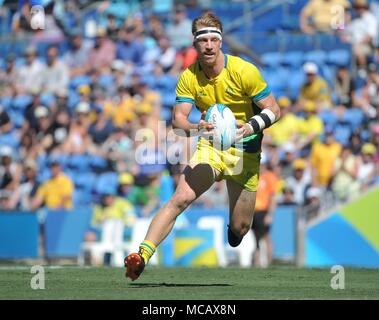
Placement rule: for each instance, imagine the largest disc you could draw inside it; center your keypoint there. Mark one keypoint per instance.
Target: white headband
(205, 31)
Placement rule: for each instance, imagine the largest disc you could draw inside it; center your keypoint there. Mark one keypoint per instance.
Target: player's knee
(181, 201)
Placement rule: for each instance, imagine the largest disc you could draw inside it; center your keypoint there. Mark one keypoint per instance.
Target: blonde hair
(207, 20)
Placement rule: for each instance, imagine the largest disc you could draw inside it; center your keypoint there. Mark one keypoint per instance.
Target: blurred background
(74, 94)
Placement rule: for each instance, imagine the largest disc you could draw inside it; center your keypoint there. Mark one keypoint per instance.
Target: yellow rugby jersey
(238, 86)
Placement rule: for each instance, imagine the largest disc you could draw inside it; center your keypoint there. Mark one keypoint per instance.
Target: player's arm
(267, 117)
(180, 121)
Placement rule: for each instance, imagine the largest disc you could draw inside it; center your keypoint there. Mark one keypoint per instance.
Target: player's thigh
(194, 181)
(241, 205)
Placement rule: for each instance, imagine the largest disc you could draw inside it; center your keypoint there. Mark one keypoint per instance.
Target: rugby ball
(224, 123)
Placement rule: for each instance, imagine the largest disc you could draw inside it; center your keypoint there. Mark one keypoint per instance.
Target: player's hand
(243, 130)
(205, 128)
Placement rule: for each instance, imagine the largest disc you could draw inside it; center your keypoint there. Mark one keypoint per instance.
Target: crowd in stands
(72, 101)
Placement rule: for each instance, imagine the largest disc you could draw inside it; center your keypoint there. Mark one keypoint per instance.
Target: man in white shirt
(29, 76)
(362, 33)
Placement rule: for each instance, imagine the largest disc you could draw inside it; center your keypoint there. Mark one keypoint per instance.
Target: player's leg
(194, 181)
(241, 211)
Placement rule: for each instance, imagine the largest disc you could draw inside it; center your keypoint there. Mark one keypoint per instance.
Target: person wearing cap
(215, 77)
(30, 75)
(312, 207)
(125, 182)
(103, 52)
(310, 128)
(56, 192)
(317, 15)
(300, 180)
(323, 157)
(362, 33)
(367, 168)
(286, 130)
(5, 200)
(315, 88)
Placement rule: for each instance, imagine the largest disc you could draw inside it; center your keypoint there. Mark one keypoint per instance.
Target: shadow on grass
(157, 285)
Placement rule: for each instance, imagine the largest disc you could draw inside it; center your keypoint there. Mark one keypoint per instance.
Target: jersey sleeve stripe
(184, 99)
(263, 94)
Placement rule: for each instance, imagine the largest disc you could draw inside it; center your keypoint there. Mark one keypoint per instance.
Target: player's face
(208, 49)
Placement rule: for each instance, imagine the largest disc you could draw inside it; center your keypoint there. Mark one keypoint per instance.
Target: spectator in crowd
(112, 26)
(5, 200)
(103, 52)
(27, 190)
(319, 15)
(76, 58)
(323, 156)
(362, 33)
(344, 184)
(101, 128)
(375, 142)
(78, 140)
(370, 93)
(167, 54)
(344, 87)
(6, 125)
(56, 73)
(300, 181)
(287, 198)
(125, 184)
(285, 130)
(179, 32)
(287, 159)
(355, 143)
(310, 128)
(56, 192)
(119, 150)
(265, 205)
(110, 216)
(58, 131)
(129, 48)
(366, 168)
(30, 76)
(40, 133)
(10, 170)
(120, 108)
(313, 202)
(315, 88)
(29, 112)
(8, 77)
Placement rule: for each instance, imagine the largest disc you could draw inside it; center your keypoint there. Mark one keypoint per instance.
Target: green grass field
(188, 284)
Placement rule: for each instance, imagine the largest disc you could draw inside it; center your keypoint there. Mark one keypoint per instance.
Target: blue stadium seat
(106, 182)
(21, 102)
(339, 57)
(316, 56)
(80, 80)
(97, 163)
(294, 59)
(294, 83)
(354, 117)
(79, 163)
(47, 99)
(85, 181)
(272, 59)
(329, 118)
(342, 133)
